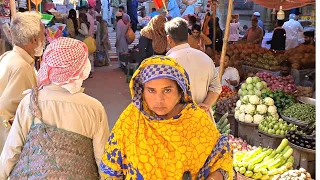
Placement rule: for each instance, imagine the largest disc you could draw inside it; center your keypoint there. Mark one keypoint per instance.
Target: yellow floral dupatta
(143, 146)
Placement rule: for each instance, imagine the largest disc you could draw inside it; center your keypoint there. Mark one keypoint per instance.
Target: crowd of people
(53, 129)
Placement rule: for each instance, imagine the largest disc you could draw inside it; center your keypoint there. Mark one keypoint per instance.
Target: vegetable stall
(272, 131)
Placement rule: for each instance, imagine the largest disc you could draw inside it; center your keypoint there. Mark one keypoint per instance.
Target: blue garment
(189, 10)
(173, 9)
(260, 23)
(153, 14)
(105, 10)
(132, 9)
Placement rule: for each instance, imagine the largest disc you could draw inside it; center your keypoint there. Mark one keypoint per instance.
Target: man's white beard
(38, 51)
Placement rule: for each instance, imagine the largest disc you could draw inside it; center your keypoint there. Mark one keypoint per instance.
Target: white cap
(256, 14)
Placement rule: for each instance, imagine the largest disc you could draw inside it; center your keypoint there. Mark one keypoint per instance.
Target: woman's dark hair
(180, 91)
(280, 23)
(73, 16)
(285, 63)
(196, 27)
(84, 19)
(192, 20)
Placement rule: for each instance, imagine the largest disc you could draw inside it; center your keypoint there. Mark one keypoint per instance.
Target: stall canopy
(286, 4)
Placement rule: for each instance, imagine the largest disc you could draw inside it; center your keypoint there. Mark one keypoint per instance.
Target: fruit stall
(255, 58)
(272, 130)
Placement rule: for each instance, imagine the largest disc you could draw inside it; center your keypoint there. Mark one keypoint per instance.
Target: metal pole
(225, 39)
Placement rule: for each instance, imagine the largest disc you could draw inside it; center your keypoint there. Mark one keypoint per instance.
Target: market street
(109, 86)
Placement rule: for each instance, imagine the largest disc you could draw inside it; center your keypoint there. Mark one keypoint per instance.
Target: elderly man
(293, 28)
(17, 66)
(205, 85)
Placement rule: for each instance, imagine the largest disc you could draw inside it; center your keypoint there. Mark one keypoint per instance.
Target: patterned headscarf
(157, 67)
(64, 61)
(155, 31)
(126, 18)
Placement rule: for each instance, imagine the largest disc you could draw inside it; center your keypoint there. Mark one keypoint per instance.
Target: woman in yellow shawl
(163, 134)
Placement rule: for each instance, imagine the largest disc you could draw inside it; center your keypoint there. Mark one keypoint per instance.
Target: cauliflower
(268, 101)
(236, 114)
(250, 109)
(238, 103)
(254, 99)
(245, 99)
(241, 117)
(262, 109)
(242, 108)
(257, 118)
(272, 110)
(248, 118)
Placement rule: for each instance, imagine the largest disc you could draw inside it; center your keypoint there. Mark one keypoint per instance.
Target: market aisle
(109, 86)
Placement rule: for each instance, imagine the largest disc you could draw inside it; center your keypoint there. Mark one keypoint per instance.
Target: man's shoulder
(13, 60)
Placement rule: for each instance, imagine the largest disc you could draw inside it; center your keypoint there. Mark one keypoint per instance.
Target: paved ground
(109, 86)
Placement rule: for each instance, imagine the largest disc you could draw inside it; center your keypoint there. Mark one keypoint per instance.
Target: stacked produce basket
(276, 123)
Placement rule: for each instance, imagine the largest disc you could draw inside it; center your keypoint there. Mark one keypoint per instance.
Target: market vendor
(287, 70)
(254, 34)
(309, 38)
(230, 75)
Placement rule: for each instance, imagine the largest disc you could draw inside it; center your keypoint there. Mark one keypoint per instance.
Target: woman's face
(161, 95)
(196, 33)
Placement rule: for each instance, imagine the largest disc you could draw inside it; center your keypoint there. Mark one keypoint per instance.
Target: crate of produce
(303, 142)
(233, 123)
(248, 132)
(269, 140)
(304, 158)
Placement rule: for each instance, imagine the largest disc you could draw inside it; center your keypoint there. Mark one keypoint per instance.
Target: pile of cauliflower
(252, 109)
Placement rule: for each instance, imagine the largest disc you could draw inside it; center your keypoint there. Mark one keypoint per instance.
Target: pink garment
(63, 62)
(92, 3)
(91, 21)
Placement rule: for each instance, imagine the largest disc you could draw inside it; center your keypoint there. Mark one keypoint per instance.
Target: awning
(286, 4)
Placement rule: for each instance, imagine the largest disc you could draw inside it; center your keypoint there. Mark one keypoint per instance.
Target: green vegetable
(302, 112)
(250, 167)
(275, 164)
(257, 175)
(260, 157)
(270, 156)
(237, 169)
(227, 127)
(285, 149)
(290, 159)
(288, 153)
(264, 177)
(282, 145)
(288, 165)
(242, 170)
(248, 173)
(273, 172)
(264, 171)
(252, 154)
